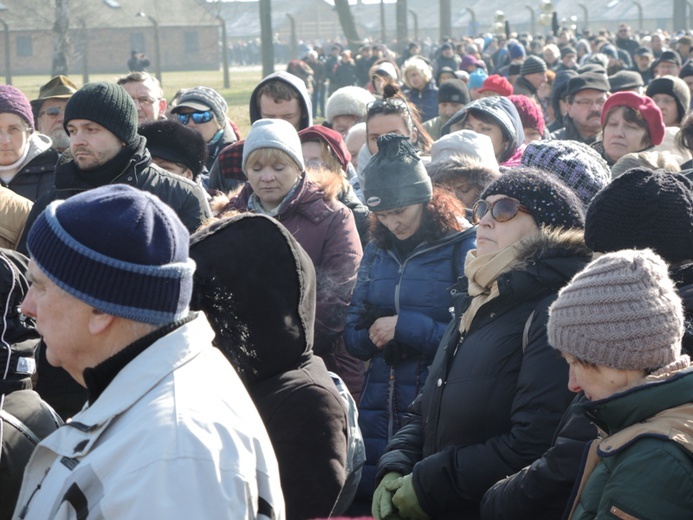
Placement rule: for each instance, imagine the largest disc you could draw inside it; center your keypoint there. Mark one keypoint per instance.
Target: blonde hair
(416, 63)
(651, 160)
(270, 156)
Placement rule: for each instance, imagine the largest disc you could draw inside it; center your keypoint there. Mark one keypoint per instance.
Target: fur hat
(622, 311)
(549, 201)
(274, 133)
(13, 101)
(674, 87)
(120, 250)
(395, 177)
(175, 143)
(644, 106)
(643, 208)
(348, 101)
(107, 104)
(579, 166)
(419, 65)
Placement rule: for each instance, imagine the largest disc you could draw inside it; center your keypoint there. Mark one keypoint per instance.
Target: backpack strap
(19, 426)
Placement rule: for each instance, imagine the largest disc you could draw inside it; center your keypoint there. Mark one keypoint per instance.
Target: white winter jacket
(173, 436)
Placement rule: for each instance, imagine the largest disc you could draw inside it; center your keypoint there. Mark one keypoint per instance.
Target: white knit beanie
(348, 101)
(622, 311)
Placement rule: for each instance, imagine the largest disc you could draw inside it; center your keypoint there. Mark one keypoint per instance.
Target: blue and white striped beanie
(119, 249)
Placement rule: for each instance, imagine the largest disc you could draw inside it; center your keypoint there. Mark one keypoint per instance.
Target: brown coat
(14, 210)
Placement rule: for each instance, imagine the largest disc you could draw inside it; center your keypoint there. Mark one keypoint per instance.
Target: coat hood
(257, 287)
(295, 82)
(18, 335)
(502, 110)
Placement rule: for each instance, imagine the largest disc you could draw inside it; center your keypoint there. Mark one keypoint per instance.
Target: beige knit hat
(622, 311)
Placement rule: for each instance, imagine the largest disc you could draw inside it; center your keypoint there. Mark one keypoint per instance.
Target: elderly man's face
(63, 321)
(586, 111)
(50, 123)
(666, 68)
(147, 97)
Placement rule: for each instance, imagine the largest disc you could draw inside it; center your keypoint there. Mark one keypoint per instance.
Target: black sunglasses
(501, 210)
(197, 117)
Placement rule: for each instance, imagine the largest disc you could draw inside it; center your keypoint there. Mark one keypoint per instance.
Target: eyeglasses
(501, 210)
(589, 102)
(51, 111)
(197, 117)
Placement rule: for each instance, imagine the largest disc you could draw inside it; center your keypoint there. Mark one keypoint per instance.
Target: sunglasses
(197, 117)
(52, 111)
(501, 210)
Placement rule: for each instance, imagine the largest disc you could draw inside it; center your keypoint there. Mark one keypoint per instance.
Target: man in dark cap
(452, 96)
(105, 148)
(668, 64)
(48, 110)
(532, 76)
(643, 63)
(586, 95)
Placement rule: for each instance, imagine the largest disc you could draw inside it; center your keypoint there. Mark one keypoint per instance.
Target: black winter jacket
(489, 409)
(36, 178)
(542, 490)
(185, 197)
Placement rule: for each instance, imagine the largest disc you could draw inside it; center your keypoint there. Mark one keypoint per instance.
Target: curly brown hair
(442, 215)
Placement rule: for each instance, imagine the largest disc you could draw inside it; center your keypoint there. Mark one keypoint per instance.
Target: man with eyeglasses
(48, 110)
(145, 90)
(585, 97)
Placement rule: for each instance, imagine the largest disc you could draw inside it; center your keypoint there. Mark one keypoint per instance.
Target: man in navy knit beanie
(168, 430)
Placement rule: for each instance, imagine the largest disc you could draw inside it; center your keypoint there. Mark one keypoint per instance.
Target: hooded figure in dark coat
(257, 287)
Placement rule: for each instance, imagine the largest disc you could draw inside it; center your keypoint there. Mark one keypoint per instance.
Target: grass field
(243, 80)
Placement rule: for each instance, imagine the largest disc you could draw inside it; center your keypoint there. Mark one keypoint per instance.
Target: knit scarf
(482, 273)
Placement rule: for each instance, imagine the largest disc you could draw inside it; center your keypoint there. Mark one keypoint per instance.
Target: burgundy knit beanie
(12, 101)
(530, 112)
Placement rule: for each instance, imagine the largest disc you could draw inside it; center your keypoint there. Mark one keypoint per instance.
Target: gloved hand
(405, 499)
(381, 508)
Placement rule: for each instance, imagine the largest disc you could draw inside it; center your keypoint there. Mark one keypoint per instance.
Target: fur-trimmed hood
(257, 287)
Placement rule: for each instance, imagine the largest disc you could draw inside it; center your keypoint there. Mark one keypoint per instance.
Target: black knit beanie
(395, 177)
(676, 88)
(107, 104)
(177, 143)
(643, 208)
(549, 201)
(532, 65)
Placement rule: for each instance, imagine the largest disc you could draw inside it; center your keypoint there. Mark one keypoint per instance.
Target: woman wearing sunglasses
(630, 124)
(401, 303)
(203, 109)
(496, 390)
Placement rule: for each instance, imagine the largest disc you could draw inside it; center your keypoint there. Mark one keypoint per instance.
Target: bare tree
(61, 38)
(346, 20)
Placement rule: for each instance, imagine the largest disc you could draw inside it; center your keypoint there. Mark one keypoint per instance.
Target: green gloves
(405, 499)
(382, 508)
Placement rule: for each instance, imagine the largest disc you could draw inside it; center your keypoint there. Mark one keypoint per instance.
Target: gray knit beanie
(107, 104)
(532, 65)
(274, 133)
(204, 98)
(622, 311)
(395, 177)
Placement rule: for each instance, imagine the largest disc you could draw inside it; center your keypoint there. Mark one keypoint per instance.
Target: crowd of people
(467, 292)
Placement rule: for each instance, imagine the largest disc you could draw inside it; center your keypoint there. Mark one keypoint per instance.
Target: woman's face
(492, 236)
(416, 80)
(622, 137)
(465, 191)
(381, 124)
(402, 222)
(272, 181)
(489, 129)
(14, 137)
(667, 104)
(598, 382)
